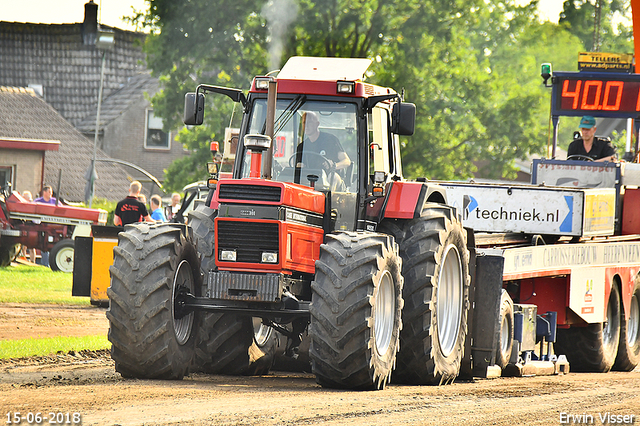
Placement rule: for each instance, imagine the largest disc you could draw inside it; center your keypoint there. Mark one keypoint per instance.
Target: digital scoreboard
(597, 94)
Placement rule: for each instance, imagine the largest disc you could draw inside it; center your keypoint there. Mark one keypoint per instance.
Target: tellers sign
(597, 94)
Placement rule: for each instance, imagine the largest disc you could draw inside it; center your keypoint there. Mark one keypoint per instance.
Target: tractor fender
(407, 199)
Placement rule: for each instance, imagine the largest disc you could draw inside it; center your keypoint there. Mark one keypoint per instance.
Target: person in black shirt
(589, 145)
(322, 143)
(130, 210)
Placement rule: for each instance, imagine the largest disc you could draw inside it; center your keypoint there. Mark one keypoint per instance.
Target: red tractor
(328, 242)
(47, 227)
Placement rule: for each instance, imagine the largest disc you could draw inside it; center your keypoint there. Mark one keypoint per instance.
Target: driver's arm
(343, 162)
(609, 152)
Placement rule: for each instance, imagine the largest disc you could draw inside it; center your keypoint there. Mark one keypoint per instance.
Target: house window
(6, 176)
(155, 138)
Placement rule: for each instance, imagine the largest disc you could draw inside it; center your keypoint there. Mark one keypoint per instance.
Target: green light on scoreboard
(545, 72)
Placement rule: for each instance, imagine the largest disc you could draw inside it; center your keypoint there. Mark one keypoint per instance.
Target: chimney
(90, 24)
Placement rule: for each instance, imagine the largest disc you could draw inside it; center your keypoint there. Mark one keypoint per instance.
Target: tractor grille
(249, 192)
(249, 239)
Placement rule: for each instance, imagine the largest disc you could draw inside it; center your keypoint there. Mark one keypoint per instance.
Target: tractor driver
(322, 143)
(590, 146)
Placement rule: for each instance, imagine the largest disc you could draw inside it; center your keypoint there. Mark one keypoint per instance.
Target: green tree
(579, 17)
(470, 66)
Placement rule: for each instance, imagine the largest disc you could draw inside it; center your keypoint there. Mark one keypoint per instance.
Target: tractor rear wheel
(505, 336)
(235, 345)
(61, 256)
(356, 308)
(151, 337)
(593, 348)
(201, 221)
(5, 256)
(628, 356)
(436, 292)
(8, 254)
(227, 343)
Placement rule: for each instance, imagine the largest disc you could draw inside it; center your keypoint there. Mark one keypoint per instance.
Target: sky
(111, 11)
(68, 11)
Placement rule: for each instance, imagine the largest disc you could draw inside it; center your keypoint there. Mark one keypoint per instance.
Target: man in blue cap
(589, 146)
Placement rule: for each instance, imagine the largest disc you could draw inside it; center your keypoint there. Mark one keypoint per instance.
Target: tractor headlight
(262, 83)
(269, 257)
(346, 86)
(228, 255)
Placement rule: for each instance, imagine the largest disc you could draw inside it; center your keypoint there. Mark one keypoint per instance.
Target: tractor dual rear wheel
(235, 345)
(356, 308)
(628, 356)
(505, 332)
(151, 338)
(593, 348)
(436, 292)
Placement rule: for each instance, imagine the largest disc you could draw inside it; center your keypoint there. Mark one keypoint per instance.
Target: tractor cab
(324, 129)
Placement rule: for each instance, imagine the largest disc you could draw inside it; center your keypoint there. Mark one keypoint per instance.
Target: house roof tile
(25, 115)
(118, 101)
(56, 57)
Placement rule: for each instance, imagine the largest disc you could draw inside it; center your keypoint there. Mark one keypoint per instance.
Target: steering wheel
(313, 160)
(579, 157)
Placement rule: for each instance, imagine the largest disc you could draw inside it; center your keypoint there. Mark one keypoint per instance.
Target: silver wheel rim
(634, 321)
(608, 330)
(64, 259)
(504, 335)
(385, 310)
(261, 332)
(182, 326)
(449, 300)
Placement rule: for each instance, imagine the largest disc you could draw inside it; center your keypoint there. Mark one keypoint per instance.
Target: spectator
(31, 251)
(143, 199)
(47, 196)
(174, 207)
(130, 210)
(156, 209)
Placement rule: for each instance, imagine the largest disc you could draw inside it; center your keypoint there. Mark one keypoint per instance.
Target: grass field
(39, 285)
(50, 345)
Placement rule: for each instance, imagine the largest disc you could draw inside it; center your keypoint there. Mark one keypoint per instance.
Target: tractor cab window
(311, 139)
(381, 143)
(314, 143)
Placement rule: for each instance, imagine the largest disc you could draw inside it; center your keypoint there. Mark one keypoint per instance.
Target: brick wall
(124, 139)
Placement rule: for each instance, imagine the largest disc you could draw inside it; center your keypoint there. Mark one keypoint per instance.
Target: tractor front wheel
(356, 308)
(61, 256)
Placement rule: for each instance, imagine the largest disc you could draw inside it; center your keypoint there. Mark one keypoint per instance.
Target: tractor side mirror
(193, 109)
(403, 118)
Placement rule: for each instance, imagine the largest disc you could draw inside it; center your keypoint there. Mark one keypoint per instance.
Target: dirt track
(88, 384)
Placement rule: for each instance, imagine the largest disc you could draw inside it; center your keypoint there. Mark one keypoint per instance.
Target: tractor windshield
(313, 141)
